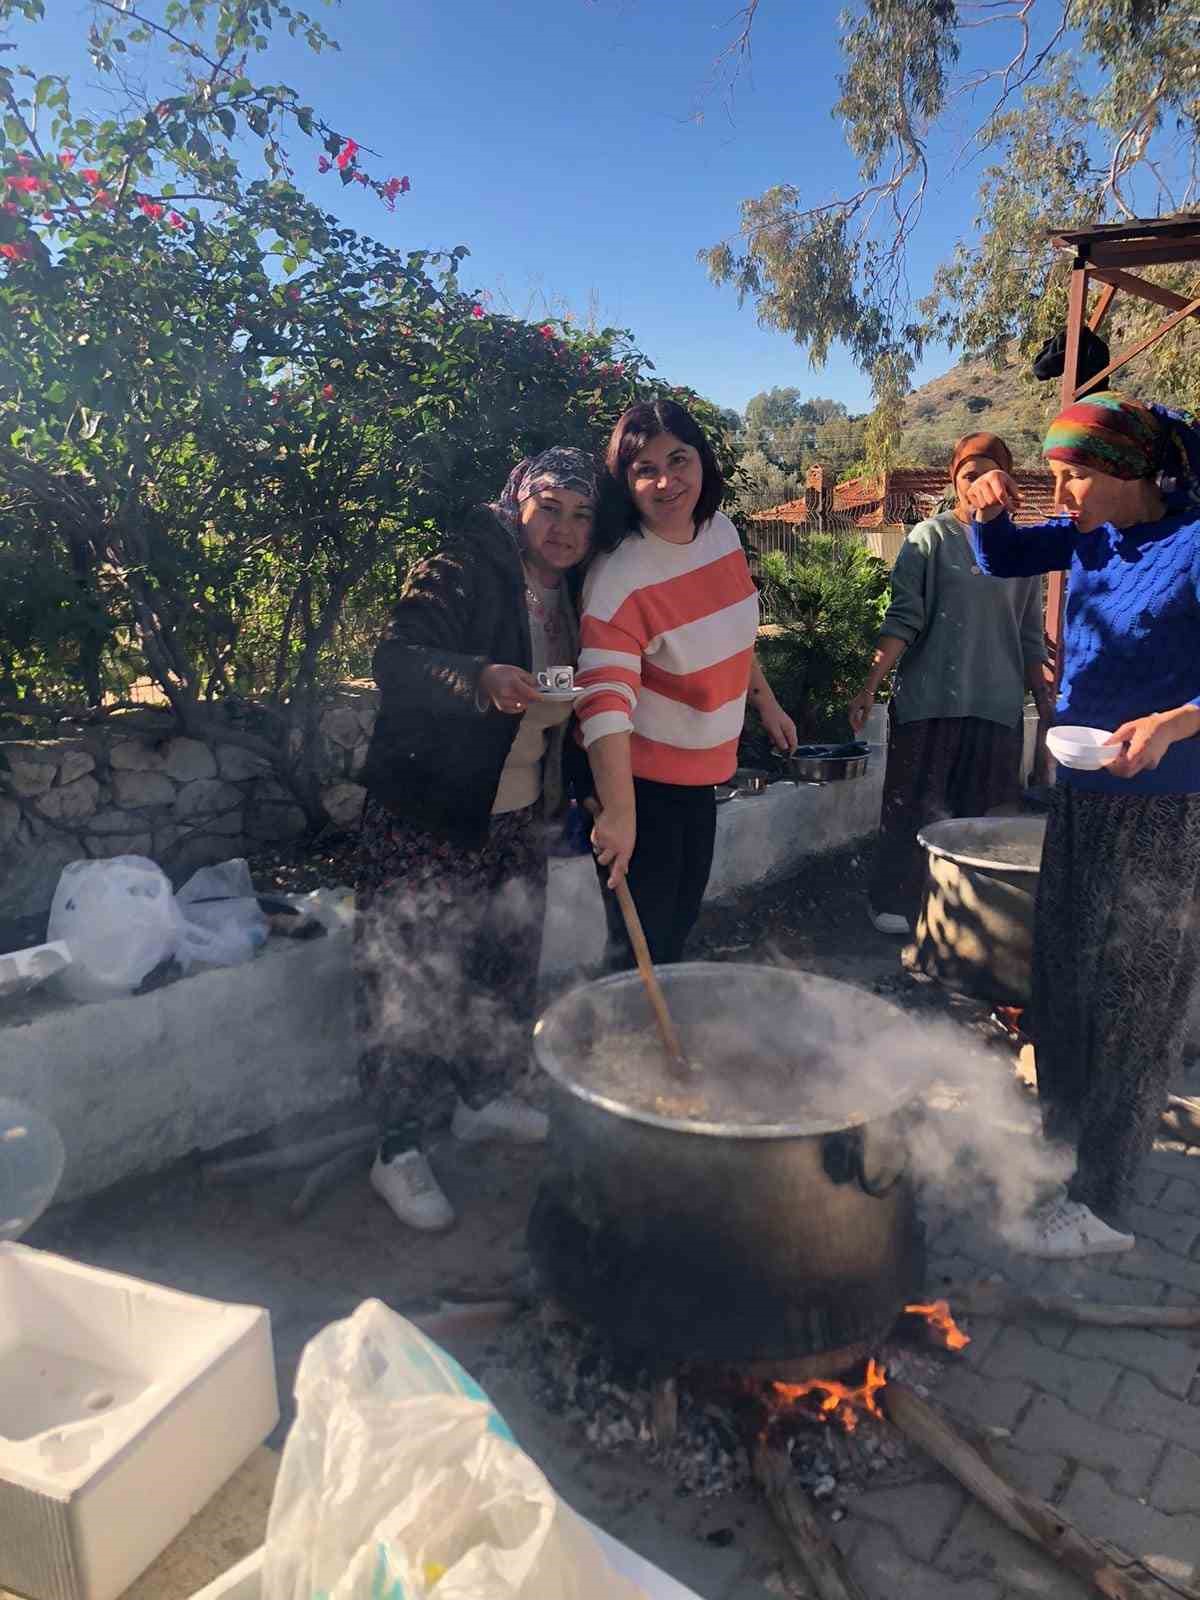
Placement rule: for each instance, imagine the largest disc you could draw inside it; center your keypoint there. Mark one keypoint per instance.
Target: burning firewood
(818, 1558)
(940, 1324)
(997, 1300)
(1109, 1570)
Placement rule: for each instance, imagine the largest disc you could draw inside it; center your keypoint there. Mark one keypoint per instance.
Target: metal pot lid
(855, 1057)
(994, 844)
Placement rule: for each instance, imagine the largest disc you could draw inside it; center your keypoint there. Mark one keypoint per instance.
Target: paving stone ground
(1105, 1424)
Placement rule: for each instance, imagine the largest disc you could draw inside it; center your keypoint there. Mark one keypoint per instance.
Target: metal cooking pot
(749, 780)
(975, 930)
(825, 763)
(791, 1245)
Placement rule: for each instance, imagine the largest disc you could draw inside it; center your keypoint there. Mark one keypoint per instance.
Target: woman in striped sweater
(667, 661)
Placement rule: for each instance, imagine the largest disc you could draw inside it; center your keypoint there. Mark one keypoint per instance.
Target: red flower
(327, 391)
(24, 161)
(102, 198)
(361, 177)
(392, 188)
(292, 292)
(477, 311)
(16, 252)
(24, 185)
(546, 331)
(323, 164)
(47, 216)
(150, 208)
(346, 155)
(90, 175)
(174, 220)
(67, 159)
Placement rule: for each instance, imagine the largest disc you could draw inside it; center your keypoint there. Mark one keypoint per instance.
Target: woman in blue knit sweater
(1117, 942)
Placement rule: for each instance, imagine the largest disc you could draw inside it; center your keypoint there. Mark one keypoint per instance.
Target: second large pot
(975, 930)
(792, 1246)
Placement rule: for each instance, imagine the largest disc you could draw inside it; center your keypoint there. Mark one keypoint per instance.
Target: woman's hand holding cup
(509, 689)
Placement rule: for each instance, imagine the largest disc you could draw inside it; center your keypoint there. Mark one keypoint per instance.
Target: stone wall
(129, 787)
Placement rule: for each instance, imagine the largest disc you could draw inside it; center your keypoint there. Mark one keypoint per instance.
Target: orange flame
(840, 1402)
(942, 1323)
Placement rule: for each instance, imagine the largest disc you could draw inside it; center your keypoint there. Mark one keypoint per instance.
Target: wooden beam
(1142, 287)
(1143, 253)
(1190, 308)
(1107, 295)
(1076, 312)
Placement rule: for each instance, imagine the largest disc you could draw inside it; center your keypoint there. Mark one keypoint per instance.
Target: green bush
(825, 607)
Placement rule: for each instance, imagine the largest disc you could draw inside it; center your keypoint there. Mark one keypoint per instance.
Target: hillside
(974, 396)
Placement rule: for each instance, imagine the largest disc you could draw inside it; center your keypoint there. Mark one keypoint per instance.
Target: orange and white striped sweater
(667, 642)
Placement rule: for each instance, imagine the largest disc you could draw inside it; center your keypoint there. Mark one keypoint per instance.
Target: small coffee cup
(557, 680)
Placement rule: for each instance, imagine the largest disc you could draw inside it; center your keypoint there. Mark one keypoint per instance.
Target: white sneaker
(504, 1118)
(1066, 1230)
(407, 1183)
(889, 922)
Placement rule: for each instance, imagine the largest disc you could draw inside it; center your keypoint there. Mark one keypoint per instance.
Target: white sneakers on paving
(1066, 1230)
(889, 922)
(505, 1118)
(406, 1181)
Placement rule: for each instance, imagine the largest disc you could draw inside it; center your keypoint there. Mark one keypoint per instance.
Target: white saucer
(559, 695)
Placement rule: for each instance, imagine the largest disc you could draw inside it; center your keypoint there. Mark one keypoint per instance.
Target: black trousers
(668, 872)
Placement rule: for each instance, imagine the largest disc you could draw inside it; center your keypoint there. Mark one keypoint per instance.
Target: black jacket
(435, 758)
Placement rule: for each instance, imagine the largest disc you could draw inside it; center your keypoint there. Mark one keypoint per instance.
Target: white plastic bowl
(1083, 748)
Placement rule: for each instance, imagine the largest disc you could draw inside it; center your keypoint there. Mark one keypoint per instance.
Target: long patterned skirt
(447, 946)
(1116, 968)
(937, 767)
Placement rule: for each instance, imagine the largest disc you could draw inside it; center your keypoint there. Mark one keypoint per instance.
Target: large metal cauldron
(975, 930)
(789, 1246)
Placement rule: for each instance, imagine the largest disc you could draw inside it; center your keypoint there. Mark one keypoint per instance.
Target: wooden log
(1109, 1570)
(290, 1157)
(997, 1300)
(818, 1558)
(1181, 1119)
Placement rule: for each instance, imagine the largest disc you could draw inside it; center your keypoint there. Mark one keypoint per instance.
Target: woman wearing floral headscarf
(465, 760)
(1117, 938)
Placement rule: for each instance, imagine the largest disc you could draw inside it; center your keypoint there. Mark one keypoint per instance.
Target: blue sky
(558, 140)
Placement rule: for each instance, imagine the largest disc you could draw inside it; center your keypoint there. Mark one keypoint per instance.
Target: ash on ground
(577, 1374)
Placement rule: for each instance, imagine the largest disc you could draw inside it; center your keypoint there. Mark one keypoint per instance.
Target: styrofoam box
(124, 1407)
(244, 1582)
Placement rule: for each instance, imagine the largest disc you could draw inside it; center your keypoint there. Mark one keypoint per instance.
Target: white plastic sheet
(400, 1481)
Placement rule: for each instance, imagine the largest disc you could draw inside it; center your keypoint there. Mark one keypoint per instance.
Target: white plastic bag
(222, 925)
(118, 920)
(400, 1481)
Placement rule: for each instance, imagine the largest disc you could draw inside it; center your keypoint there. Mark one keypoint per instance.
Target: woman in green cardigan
(966, 647)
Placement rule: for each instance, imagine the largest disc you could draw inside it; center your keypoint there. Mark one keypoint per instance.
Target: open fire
(844, 1403)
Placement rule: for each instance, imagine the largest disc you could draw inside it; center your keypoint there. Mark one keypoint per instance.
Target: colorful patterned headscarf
(560, 467)
(1109, 432)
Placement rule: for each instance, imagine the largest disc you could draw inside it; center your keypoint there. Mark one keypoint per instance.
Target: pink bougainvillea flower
(361, 177)
(477, 311)
(323, 164)
(392, 188)
(90, 175)
(103, 199)
(546, 331)
(327, 391)
(346, 155)
(292, 292)
(66, 158)
(150, 208)
(16, 252)
(24, 185)
(174, 220)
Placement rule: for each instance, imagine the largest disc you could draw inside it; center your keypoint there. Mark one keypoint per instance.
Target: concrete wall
(136, 1083)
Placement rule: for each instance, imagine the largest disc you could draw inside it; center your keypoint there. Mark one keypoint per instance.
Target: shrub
(825, 607)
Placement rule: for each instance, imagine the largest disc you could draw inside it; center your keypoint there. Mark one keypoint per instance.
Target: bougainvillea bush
(227, 421)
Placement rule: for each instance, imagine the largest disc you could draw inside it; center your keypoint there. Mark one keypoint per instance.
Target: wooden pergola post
(1106, 255)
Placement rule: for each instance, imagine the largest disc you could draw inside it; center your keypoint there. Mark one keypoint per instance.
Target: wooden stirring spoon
(666, 1027)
